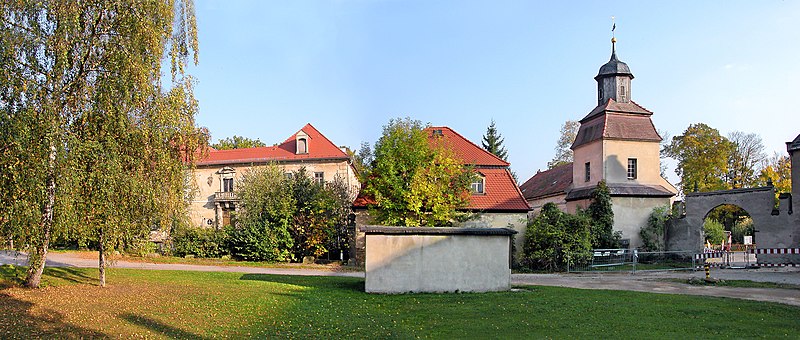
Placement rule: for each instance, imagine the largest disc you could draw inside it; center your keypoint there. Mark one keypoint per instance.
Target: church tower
(614, 79)
(618, 143)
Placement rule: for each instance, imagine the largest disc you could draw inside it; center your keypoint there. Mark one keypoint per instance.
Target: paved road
(653, 282)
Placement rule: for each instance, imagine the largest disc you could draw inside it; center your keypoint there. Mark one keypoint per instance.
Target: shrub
(199, 242)
(714, 231)
(743, 227)
(261, 226)
(653, 233)
(555, 239)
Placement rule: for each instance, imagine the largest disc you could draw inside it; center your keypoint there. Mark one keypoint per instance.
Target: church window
(587, 171)
(632, 168)
(622, 93)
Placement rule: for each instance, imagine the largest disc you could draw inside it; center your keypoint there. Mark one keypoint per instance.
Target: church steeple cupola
(614, 79)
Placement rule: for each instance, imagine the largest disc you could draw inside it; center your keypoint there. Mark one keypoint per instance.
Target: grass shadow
(25, 320)
(73, 275)
(318, 282)
(159, 327)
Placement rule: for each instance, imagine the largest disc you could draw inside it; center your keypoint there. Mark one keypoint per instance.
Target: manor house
(217, 173)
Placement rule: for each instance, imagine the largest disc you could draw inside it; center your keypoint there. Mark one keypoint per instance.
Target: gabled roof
(555, 181)
(319, 147)
(463, 148)
(616, 124)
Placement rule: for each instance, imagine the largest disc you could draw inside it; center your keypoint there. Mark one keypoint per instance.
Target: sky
(347, 67)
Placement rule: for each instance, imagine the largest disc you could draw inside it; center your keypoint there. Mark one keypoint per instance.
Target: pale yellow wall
(616, 154)
(631, 214)
(208, 182)
(593, 153)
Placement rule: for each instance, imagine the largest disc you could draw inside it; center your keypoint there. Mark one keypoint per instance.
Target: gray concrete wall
(437, 263)
(774, 228)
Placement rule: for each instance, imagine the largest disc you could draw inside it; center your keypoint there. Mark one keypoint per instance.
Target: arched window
(302, 145)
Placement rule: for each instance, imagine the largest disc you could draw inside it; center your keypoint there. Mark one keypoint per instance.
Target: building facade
(216, 175)
(616, 143)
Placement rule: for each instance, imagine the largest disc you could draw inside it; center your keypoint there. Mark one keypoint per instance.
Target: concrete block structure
(404, 259)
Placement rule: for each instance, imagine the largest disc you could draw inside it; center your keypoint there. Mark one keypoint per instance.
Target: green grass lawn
(140, 303)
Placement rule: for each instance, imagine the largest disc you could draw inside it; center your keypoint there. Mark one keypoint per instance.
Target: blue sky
(269, 67)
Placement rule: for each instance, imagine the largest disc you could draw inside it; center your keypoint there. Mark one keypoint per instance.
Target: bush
(555, 239)
(653, 233)
(199, 242)
(714, 231)
(743, 227)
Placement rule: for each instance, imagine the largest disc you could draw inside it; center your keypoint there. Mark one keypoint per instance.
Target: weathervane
(613, 37)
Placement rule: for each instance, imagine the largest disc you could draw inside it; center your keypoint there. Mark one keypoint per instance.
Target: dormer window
(478, 184)
(302, 143)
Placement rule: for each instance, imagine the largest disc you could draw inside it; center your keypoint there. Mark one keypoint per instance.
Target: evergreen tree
(493, 142)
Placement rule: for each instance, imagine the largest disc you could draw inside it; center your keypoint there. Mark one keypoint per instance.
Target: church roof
(793, 145)
(616, 125)
(555, 181)
(626, 190)
(614, 67)
(613, 106)
(319, 147)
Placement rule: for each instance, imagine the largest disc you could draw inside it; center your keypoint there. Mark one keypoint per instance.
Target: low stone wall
(404, 259)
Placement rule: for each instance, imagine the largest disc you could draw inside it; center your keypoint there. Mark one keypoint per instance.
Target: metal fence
(630, 260)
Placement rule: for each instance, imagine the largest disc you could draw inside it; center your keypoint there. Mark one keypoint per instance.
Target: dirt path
(651, 282)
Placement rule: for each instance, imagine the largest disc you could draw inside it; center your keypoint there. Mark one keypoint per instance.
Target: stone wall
(404, 259)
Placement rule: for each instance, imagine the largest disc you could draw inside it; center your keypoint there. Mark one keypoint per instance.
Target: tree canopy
(563, 146)
(96, 144)
(778, 170)
(237, 142)
(493, 142)
(414, 181)
(702, 155)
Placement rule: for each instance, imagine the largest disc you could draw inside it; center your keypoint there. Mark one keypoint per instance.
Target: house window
(227, 184)
(302, 145)
(587, 171)
(477, 185)
(632, 168)
(289, 175)
(319, 177)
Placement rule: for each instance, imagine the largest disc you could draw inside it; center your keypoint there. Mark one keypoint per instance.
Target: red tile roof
(319, 147)
(613, 106)
(500, 190)
(500, 193)
(555, 181)
(464, 149)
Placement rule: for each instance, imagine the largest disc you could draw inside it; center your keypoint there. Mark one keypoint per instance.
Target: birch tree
(95, 139)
